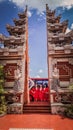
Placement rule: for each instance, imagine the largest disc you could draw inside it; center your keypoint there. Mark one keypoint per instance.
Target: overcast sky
(37, 26)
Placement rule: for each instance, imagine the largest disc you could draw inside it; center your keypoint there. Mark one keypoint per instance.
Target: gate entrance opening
(39, 90)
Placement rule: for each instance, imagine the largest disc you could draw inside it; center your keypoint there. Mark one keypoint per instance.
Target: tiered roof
(16, 30)
(57, 30)
(54, 19)
(59, 42)
(17, 36)
(19, 21)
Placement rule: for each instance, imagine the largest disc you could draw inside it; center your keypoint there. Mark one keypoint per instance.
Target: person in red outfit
(32, 93)
(41, 93)
(36, 93)
(46, 93)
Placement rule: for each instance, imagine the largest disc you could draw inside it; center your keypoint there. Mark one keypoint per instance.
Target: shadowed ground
(46, 121)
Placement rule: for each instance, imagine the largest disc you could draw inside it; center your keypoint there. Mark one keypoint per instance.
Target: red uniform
(45, 94)
(36, 94)
(41, 94)
(32, 92)
(44, 98)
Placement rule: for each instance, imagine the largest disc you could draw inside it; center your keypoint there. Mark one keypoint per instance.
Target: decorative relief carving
(51, 52)
(71, 61)
(12, 46)
(67, 47)
(9, 70)
(67, 51)
(71, 80)
(54, 61)
(6, 53)
(51, 47)
(65, 71)
(9, 84)
(3, 62)
(62, 60)
(64, 84)
(19, 63)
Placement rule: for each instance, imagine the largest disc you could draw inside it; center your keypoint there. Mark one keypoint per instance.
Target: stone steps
(37, 108)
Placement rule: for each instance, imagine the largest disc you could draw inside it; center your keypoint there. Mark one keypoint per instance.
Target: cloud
(40, 13)
(68, 30)
(40, 71)
(69, 7)
(19, 3)
(38, 76)
(40, 4)
(29, 14)
(42, 16)
(72, 26)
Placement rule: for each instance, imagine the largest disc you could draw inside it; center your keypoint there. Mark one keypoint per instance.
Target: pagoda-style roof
(53, 22)
(47, 8)
(16, 30)
(12, 40)
(49, 12)
(61, 38)
(61, 27)
(19, 22)
(22, 15)
(70, 34)
(53, 19)
(13, 47)
(1, 38)
(65, 23)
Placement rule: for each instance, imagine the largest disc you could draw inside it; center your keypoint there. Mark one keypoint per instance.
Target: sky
(36, 27)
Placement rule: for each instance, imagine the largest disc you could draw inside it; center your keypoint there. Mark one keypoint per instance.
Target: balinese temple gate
(60, 59)
(14, 59)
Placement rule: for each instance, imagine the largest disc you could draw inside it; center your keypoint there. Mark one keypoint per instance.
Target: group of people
(40, 93)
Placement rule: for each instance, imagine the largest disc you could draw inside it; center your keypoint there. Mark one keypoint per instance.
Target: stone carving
(55, 75)
(71, 61)
(54, 61)
(17, 77)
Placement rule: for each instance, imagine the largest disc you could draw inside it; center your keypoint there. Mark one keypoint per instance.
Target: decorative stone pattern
(57, 107)
(63, 97)
(15, 108)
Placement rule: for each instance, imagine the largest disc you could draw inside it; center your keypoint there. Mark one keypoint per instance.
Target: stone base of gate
(57, 108)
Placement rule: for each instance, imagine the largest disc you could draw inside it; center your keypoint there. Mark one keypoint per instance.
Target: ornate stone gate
(14, 57)
(59, 58)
